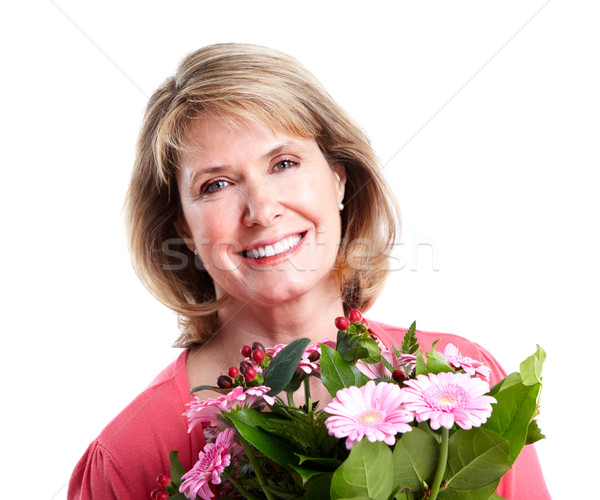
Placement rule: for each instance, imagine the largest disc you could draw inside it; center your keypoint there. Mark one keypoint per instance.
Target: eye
(284, 164)
(214, 186)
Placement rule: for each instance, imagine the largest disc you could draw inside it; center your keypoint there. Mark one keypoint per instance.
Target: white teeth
(271, 250)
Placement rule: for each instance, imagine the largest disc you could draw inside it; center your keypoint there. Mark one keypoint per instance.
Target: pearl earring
(195, 251)
(341, 206)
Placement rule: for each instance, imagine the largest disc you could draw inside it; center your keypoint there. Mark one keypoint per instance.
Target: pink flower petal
(448, 398)
(212, 460)
(209, 409)
(469, 365)
(374, 411)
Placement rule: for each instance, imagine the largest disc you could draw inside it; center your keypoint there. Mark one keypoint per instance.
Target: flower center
(371, 417)
(446, 398)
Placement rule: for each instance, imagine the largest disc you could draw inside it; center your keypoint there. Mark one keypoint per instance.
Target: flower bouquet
(402, 424)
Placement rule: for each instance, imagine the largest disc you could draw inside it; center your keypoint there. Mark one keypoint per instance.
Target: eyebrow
(277, 150)
(217, 169)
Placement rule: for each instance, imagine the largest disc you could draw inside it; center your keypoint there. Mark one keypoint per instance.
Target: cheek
(215, 237)
(318, 193)
(219, 252)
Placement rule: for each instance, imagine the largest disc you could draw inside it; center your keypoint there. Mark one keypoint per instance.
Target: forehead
(215, 138)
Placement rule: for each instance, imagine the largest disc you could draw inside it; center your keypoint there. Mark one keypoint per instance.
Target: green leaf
(318, 489)
(337, 374)
(348, 348)
(485, 492)
(209, 388)
(409, 342)
(506, 383)
(415, 460)
(531, 368)
(282, 367)
(306, 433)
(365, 473)
(325, 464)
(436, 363)
(387, 364)
(354, 354)
(421, 367)
(406, 495)
(373, 353)
(476, 458)
(177, 470)
(515, 408)
(534, 433)
(248, 423)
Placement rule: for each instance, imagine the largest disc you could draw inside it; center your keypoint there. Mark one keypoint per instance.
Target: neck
(242, 323)
(246, 323)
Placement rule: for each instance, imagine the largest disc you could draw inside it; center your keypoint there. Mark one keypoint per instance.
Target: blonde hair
(249, 82)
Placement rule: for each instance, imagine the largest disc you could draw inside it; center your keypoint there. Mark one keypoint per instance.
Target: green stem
(307, 398)
(240, 487)
(441, 469)
(257, 468)
(290, 398)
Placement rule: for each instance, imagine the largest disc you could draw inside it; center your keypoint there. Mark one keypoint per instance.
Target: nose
(262, 204)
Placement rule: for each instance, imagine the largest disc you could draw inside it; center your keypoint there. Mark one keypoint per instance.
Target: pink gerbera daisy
(469, 365)
(209, 409)
(446, 398)
(212, 460)
(374, 411)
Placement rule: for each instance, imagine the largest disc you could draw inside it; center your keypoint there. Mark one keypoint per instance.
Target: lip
(274, 259)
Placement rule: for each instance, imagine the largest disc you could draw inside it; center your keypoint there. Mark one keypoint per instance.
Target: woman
(257, 213)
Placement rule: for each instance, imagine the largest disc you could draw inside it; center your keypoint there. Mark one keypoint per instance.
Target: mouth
(282, 246)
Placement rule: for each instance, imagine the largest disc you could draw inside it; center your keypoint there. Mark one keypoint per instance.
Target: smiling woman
(257, 212)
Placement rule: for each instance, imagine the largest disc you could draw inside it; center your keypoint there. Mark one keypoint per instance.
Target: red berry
(257, 346)
(244, 365)
(355, 316)
(224, 382)
(246, 351)
(163, 495)
(154, 494)
(233, 372)
(398, 375)
(258, 355)
(250, 374)
(365, 322)
(163, 480)
(341, 323)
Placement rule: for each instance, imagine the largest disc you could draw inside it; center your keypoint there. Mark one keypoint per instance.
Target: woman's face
(262, 210)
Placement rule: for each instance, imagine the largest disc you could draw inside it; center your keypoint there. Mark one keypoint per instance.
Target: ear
(184, 233)
(339, 173)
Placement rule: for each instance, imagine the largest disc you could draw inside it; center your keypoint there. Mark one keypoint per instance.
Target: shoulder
(393, 335)
(134, 447)
(163, 399)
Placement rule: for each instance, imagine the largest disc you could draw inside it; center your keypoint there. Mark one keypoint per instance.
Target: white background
(486, 115)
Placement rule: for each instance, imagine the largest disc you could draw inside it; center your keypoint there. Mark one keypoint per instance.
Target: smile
(275, 249)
